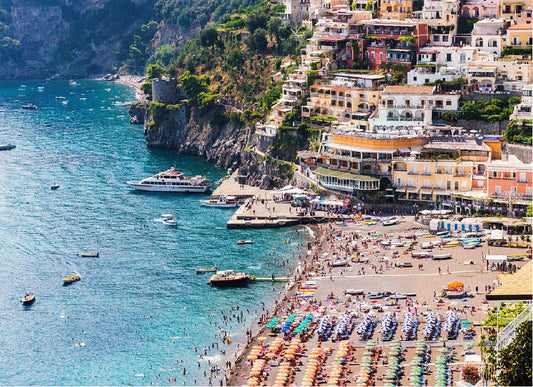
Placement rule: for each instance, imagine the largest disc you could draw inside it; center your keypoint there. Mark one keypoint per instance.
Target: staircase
(507, 334)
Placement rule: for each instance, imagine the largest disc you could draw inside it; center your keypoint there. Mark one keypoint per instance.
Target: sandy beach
(134, 82)
(364, 258)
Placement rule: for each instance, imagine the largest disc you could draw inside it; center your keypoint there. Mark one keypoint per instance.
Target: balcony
(522, 181)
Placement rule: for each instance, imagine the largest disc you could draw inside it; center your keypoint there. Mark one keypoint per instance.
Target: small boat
(28, 299)
(439, 257)
(54, 186)
(29, 106)
(245, 242)
(229, 278)
(426, 245)
(170, 222)
(4, 147)
(375, 296)
(71, 279)
(470, 246)
(389, 222)
(90, 255)
(398, 296)
(429, 236)
(354, 292)
(421, 254)
(60, 97)
(206, 270)
(340, 262)
(442, 233)
(221, 202)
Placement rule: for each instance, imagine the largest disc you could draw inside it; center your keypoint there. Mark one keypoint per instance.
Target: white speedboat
(168, 220)
(7, 147)
(172, 181)
(221, 202)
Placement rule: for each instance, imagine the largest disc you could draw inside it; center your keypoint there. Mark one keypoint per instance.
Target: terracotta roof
(520, 26)
(409, 90)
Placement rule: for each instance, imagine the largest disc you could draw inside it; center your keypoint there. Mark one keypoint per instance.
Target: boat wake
(310, 231)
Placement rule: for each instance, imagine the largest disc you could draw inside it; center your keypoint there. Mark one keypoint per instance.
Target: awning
(401, 190)
(412, 190)
(493, 258)
(442, 193)
(426, 191)
(416, 148)
(404, 150)
(360, 149)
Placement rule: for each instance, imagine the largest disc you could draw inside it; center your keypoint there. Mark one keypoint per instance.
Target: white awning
(360, 149)
(404, 150)
(492, 258)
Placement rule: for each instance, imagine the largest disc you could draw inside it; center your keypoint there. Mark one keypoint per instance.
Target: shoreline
(134, 82)
(314, 241)
(331, 239)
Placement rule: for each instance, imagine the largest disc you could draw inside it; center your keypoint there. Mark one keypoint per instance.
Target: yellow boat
(429, 236)
(452, 244)
(71, 279)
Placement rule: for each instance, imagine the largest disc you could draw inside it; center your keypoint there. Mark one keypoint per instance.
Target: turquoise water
(135, 301)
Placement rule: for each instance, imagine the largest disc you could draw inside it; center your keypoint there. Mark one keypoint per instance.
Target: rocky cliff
(228, 144)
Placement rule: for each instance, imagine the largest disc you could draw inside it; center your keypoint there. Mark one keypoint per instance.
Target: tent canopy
(493, 258)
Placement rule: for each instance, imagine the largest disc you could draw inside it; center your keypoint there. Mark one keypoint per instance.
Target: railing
(507, 334)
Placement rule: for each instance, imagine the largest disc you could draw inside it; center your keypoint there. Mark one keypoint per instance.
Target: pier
(262, 210)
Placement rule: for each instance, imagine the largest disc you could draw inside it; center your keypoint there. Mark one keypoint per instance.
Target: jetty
(262, 209)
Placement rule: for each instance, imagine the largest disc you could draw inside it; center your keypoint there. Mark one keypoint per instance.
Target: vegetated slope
(86, 37)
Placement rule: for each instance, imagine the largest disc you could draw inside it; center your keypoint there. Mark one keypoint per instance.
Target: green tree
(515, 360)
(258, 41)
(209, 37)
(155, 71)
(256, 19)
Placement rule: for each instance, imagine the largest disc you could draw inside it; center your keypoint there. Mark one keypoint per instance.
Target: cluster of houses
(379, 137)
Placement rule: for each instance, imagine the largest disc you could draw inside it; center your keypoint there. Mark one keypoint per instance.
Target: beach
(134, 82)
(373, 254)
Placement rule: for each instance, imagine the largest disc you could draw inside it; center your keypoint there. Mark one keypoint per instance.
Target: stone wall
(522, 152)
(164, 90)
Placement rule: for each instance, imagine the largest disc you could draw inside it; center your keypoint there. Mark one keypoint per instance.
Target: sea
(140, 314)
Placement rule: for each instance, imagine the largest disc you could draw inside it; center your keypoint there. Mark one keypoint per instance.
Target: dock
(276, 279)
(262, 209)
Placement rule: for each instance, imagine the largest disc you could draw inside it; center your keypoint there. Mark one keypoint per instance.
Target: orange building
(510, 179)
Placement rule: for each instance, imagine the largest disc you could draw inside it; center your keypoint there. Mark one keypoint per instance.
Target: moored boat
(28, 299)
(90, 254)
(172, 181)
(211, 269)
(221, 202)
(170, 222)
(340, 262)
(29, 106)
(421, 254)
(71, 279)
(245, 242)
(229, 278)
(354, 292)
(439, 257)
(4, 147)
(54, 186)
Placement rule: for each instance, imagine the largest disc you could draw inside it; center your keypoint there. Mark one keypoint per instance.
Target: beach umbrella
(455, 285)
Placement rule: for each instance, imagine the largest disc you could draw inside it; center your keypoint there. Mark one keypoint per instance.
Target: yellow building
(431, 180)
(344, 104)
(520, 36)
(396, 9)
(515, 9)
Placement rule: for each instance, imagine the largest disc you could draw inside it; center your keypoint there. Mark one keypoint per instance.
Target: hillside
(87, 37)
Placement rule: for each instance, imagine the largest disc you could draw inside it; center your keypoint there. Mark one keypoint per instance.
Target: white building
(296, 11)
(411, 106)
(487, 35)
(522, 111)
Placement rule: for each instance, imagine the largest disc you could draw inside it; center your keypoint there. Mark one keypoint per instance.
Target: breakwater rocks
(211, 135)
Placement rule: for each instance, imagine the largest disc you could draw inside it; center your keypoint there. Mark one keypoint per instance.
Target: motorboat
(220, 202)
(4, 147)
(54, 186)
(90, 255)
(172, 181)
(390, 222)
(440, 257)
(470, 246)
(28, 299)
(29, 106)
(71, 279)
(229, 278)
(375, 296)
(170, 221)
(245, 242)
(426, 245)
(202, 270)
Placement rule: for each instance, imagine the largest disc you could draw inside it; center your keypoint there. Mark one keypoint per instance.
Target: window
(426, 183)
(513, 191)
(494, 174)
(480, 183)
(462, 58)
(448, 184)
(463, 184)
(448, 57)
(445, 38)
(523, 177)
(448, 103)
(399, 182)
(413, 169)
(456, 185)
(411, 183)
(414, 78)
(373, 55)
(427, 170)
(528, 191)
(498, 190)
(439, 183)
(380, 56)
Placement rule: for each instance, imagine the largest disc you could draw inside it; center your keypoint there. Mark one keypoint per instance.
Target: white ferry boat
(172, 181)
